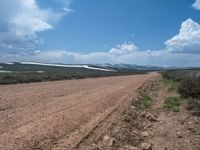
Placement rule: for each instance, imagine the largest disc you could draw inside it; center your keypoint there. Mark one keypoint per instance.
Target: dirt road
(56, 115)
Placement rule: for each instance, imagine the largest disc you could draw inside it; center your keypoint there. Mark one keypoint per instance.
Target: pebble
(151, 118)
(106, 137)
(179, 135)
(191, 129)
(112, 142)
(133, 107)
(145, 134)
(149, 125)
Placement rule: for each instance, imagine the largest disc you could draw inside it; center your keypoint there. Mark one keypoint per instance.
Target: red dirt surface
(57, 115)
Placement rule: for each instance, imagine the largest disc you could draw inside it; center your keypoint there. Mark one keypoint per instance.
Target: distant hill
(130, 67)
(38, 66)
(24, 72)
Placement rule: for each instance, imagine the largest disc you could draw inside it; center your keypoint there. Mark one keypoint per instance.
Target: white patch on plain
(10, 63)
(40, 71)
(3, 71)
(67, 66)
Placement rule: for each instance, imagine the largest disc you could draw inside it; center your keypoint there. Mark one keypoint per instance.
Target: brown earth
(173, 130)
(61, 114)
(153, 128)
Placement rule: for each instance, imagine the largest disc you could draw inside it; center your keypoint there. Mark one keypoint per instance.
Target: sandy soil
(173, 130)
(57, 115)
(152, 128)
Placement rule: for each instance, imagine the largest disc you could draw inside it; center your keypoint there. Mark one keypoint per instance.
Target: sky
(143, 32)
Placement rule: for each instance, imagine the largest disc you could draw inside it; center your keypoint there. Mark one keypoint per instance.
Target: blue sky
(144, 32)
(110, 22)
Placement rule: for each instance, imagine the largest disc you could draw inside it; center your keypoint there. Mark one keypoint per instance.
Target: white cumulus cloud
(187, 40)
(196, 5)
(123, 49)
(29, 19)
(20, 20)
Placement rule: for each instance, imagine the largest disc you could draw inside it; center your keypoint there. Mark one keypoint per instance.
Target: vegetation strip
(173, 103)
(187, 84)
(27, 73)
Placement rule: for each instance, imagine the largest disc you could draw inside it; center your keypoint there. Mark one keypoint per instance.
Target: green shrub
(144, 102)
(173, 103)
(173, 87)
(172, 84)
(168, 81)
(190, 87)
(193, 104)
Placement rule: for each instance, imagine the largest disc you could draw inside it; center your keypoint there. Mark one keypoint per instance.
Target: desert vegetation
(173, 103)
(187, 84)
(144, 102)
